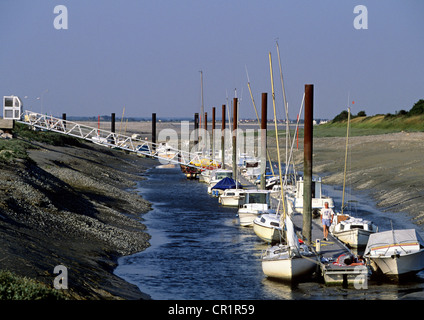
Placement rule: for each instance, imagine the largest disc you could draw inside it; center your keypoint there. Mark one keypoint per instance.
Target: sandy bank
(73, 206)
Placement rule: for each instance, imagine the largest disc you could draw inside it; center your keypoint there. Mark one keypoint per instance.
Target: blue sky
(145, 55)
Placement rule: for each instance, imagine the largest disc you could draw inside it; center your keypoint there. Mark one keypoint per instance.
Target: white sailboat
(396, 252)
(291, 260)
(268, 227)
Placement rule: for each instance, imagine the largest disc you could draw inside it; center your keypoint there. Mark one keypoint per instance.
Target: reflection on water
(199, 252)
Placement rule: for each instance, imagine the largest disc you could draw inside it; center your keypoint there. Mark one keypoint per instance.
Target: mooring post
(213, 133)
(64, 120)
(196, 130)
(307, 163)
(235, 139)
(153, 131)
(264, 116)
(223, 137)
(112, 122)
(204, 133)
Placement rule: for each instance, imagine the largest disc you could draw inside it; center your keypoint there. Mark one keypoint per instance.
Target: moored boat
(318, 198)
(289, 261)
(256, 202)
(267, 227)
(217, 175)
(396, 253)
(352, 231)
(232, 197)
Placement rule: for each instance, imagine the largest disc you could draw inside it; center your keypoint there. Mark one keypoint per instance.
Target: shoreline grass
(363, 126)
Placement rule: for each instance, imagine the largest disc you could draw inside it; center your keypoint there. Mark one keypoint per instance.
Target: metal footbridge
(163, 152)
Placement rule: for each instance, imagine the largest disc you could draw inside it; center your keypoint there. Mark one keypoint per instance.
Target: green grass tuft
(13, 287)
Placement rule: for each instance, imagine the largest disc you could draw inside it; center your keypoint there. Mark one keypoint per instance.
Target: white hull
(232, 198)
(266, 231)
(246, 218)
(247, 215)
(231, 201)
(397, 265)
(289, 268)
(354, 238)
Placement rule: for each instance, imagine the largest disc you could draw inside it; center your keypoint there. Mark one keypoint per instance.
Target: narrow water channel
(198, 251)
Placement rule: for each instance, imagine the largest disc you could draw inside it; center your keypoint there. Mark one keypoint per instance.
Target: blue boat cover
(227, 183)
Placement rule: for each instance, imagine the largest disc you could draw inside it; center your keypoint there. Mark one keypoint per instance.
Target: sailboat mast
(286, 106)
(345, 165)
(276, 136)
(259, 122)
(201, 98)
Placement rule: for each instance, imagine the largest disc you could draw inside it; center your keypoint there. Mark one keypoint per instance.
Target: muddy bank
(73, 206)
(388, 167)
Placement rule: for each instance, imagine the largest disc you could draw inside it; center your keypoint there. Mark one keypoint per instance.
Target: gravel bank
(73, 206)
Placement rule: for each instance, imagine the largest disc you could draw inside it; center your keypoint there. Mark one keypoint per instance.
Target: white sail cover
(292, 240)
(393, 237)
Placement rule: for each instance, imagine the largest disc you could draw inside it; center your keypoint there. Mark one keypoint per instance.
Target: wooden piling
(196, 130)
(64, 120)
(307, 164)
(213, 133)
(263, 150)
(223, 137)
(235, 101)
(112, 122)
(153, 130)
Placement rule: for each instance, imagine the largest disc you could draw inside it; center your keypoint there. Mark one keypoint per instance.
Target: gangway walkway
(165, 153)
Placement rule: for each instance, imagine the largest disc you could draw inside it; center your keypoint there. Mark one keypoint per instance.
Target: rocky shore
(73, 206)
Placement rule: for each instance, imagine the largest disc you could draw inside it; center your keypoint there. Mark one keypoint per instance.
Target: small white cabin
(316, 188)
(12, 108)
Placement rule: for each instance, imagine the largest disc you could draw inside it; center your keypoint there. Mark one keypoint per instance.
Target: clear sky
(145, 55)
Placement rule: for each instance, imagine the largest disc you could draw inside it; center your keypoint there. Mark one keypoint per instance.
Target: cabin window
(358, 226)
(275, 224)
(262, 219)
(8, 102)
(257, 198)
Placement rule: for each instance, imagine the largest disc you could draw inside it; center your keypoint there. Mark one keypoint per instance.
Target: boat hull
(231, 201)
(398, 265)
(289, 269)
(354, 238)
(267, 233)
(246, 218)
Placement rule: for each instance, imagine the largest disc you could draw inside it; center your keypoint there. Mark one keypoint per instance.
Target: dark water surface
(199, 252)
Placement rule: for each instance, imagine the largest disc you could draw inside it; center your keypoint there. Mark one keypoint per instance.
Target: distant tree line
(417, 109)
(344, 115)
